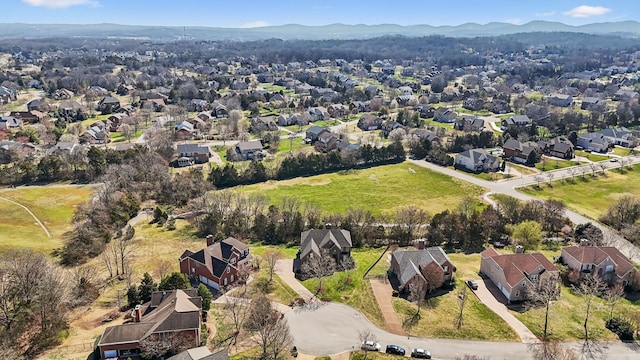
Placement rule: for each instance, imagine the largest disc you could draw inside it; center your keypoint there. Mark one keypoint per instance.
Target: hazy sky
(252, 13)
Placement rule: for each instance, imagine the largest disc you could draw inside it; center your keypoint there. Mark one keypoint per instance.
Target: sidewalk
(384, 294)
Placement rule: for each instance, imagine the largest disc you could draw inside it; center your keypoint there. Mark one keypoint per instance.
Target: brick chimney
(210, 240)
(137, 313)
(420, 244)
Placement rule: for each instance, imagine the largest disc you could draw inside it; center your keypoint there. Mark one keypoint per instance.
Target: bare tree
(590, 288)
(572, 172)
(319, 266)
(126, 130)
(593, 167)
(108, 259)
(613, 295)
(270, 258)
(364, 336)
(124, 247)
(550, 177)
(163, 268)
(547, 291)
(603, 167)
(538, 179)
(269, 328)
(237, 312)
(462, 300)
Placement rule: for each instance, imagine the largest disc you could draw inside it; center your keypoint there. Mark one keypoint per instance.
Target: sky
(255, 13)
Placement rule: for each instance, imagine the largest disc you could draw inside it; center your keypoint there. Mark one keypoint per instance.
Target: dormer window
(232, 261)
(445, 268)
(534, 277)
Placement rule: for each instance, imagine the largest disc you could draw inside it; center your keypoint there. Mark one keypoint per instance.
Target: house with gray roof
(249, 150)
(319, 242)
(477, 160)
(419, 267)
(595, 142)
(172, 314)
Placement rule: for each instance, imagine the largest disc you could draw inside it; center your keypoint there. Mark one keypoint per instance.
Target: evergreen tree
(147, 286)
(133, 296)
(174, 281)
(206, 296)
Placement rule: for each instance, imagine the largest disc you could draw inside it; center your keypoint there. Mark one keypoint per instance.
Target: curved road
(30, 213)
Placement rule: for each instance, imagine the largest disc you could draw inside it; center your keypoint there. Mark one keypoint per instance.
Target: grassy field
(294, 144)
(54, 207)
(493, 176)
(439, 318)
(350, 288)
(380, 189)
(591, 196)
(567, 317)
(591, 156)
(553, 164)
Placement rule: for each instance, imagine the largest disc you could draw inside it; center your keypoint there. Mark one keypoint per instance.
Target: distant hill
(288, 32)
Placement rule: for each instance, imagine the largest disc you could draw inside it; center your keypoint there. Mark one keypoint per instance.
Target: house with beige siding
(608, 263)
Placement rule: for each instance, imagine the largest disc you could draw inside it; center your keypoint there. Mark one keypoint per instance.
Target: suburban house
(318, 113)
(62, 94)
(337, 110)
(608, 263)
(410, 266)
(369, 122)
(425, 110)
(589, 103)
(445, 115)
(517, 120)
(218, 264)
(249, 150)
(201, 353)
(198, 105)
(7, 94)
(388, 126)
(469, 123)
(625, 95)
(219, 111)
(514, 273)
(595, 142)
(327, 141)
(477, 160)
(108, 104)
(519, 152)
(313, 133)
(263, 123)
(184, 130)
(175, 313)
(28, 117)
(619, 136)
(10, 123)
(560, 100)
(559, 147)
(194, 153)
(98, 133)
(314, 242)
(69, 107)
(424, 134)
(473, 104)
(38, 104)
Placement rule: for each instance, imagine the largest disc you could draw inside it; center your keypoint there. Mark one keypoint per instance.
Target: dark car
(472, 284)
(395, 350)
(420, 353)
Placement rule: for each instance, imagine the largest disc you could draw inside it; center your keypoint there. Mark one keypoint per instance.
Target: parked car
(395, 350)
(420, 353)
(472, 284)
(370, 346)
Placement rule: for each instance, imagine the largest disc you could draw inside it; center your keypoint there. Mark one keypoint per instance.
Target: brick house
(606, 262)
(410, 266)
(175, 315)
(218, 264)
(514, 273)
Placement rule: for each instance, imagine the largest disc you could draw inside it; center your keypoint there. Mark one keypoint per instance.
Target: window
(231, 278)
(193, 270)
(232, 261)
(445, 268)
(517, 293)
(225, 281)
(534, 277)
(609, 268)
(228, 270)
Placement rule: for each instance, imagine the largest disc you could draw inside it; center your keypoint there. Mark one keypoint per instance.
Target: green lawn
(524, 170)
(552, 164)
(381, 189)
(292, 144)
(350, 288)
(54, 206)
(567, 317)
(591, 196)
(439, 318)
(328, 123)
(622, 151)
(591, 156)
(491, 176)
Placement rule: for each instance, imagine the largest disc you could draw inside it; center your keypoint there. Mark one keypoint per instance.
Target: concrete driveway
(284, 269)
(495, 300)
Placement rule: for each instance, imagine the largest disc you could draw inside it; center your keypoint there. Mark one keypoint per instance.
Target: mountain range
(293, 31)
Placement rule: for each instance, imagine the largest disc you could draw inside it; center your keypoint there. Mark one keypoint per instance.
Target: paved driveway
(495, 300)
(284, 269)
(384, 295)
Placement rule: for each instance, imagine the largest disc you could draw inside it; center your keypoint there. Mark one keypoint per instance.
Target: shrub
(620, 327)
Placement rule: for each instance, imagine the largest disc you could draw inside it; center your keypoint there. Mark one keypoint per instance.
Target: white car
(370, 346)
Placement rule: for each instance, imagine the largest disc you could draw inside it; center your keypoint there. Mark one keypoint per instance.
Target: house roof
(216, 256)
(185, 125)
(316, 130)
(517, 267)
(596, 255)
(175, 310)
(315, 239)
(410, 261)
(193, 148)
(201, 353)
(251, 145)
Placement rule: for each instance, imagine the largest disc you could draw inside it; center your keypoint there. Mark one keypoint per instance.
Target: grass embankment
(53, 205)
(547, 164)
(350, 288)
(591, 196)
(591, 156)
(381, 189)
(567, 317)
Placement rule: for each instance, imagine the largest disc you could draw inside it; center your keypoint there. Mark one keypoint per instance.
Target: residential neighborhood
(436, 196)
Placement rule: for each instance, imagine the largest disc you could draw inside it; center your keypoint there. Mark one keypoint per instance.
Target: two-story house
(477, 160)
(415, 267)
(316, 242)
(514, 273)
(218, 264)
(608, 263)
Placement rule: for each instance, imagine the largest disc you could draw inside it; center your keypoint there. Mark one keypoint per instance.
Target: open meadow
(53, 205)
(381, 189)
(591, 196)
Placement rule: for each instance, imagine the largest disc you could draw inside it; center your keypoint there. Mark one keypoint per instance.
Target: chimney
(519, 249)
(585, 242)
(420, 244)
(137, 313)
(210, 240)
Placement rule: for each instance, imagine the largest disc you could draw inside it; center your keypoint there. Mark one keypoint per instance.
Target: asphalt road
(325, 329)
